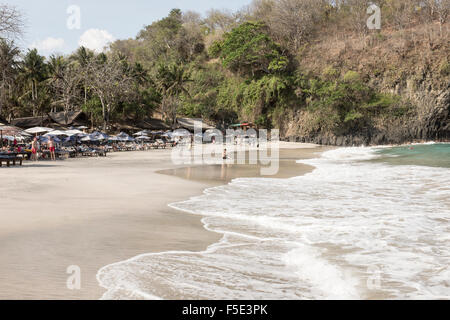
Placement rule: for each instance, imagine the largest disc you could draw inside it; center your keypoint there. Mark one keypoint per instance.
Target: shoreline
(185, 173)
(68, 213)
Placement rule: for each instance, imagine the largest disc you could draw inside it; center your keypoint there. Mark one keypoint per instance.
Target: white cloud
(96, 39)
(48, 45)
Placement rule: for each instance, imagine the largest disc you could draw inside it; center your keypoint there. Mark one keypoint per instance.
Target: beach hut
(32, 122)
(190, 124)
(70, 118)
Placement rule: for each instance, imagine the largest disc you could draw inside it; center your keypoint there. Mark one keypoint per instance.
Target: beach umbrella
(181, 133)
(57, 133)
(212, 133)
(87, 139)
(73, 132)
(141, 133)
(124, 137)
(143, 138)
(46, 139)
(38, 130)
(72, 139)
(9, 138)
(99, 136)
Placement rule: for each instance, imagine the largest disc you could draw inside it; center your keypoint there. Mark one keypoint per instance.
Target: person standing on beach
(51, 147)
(34, 149)
(38, 148)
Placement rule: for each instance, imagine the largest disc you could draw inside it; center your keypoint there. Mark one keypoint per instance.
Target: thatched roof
(153, 124)
(10, 130)
(189, 123)
(71, 118)
(30, 122)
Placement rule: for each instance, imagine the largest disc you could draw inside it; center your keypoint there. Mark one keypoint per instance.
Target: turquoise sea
(430, 155)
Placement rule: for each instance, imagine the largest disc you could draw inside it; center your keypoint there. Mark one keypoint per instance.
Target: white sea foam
(320, 235)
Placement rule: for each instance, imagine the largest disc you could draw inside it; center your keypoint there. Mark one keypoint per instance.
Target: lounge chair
(10, 159)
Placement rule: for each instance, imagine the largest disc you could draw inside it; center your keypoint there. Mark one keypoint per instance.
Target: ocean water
(367, 223)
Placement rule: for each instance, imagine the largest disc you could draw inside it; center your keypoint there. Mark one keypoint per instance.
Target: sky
(61, 26)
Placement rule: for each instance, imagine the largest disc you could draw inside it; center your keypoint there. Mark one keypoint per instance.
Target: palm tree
(33, 70)
(171, 81)
(8, 66)
(83, 57)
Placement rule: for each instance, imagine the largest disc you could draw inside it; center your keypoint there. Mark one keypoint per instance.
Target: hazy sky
(52, 25)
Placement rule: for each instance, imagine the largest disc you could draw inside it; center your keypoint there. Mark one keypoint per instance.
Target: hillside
(412, 64)
(311, 68)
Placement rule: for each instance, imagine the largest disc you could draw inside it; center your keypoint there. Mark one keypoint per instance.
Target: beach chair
(10, 159)
(161, 143)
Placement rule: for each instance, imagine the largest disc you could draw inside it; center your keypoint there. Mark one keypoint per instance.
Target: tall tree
(249, 50)
(33, 70)
(64, 81)
(171, 81)
(9, 54)
(110, 83)
(11, 22)
(83, 57)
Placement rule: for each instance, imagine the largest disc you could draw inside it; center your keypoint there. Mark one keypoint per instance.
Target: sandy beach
(97, 211)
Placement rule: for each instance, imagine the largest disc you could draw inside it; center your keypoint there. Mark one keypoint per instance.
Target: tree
(64, 80)
(291, 22)
(161, 36)
(171, 81)
(249, 50)
(438, 9)
(220, 20)
(110, 83)
(83, 57)
(33, 69)
(11, 22)
(9, 67)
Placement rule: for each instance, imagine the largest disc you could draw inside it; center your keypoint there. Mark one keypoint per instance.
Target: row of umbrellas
(11, 133)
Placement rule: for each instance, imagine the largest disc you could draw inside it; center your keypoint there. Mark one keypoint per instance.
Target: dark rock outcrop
(431, 123)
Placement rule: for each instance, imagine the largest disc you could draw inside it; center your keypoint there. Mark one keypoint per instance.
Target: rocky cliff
(413, 64)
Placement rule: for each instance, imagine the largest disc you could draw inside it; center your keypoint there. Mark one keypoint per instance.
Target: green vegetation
(225, 67)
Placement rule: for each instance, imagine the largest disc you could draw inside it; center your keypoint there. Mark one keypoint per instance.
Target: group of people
(36, 149)
(14, 147)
